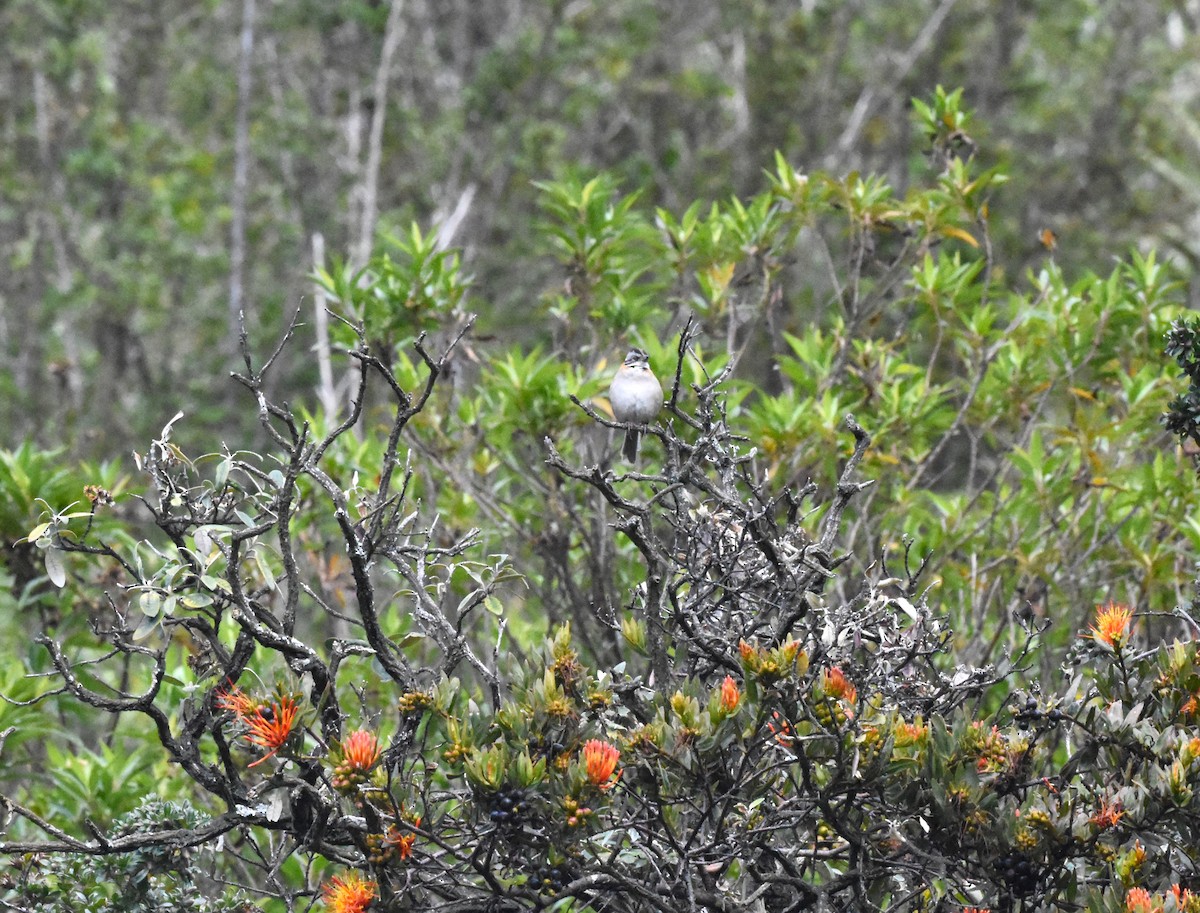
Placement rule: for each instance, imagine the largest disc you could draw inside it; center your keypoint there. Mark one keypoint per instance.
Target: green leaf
(146, 628)
(264, 569)
(37, 531)
(150, 603)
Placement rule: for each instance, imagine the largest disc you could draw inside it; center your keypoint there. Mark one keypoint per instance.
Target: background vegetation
(983, 277)
(130, 240)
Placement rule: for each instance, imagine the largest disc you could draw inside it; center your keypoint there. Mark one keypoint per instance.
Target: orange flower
(907, 734)
(1109, 815)
(270, 725)
(1185, 900)
(1191, 750)
(237, 700)
(976, 910)
(837, 685)
(361, 750)
(730, 696)
(600, 760)
(1112, 624)
(781, 729)
(747, 652)
(350, 893)
(404, 842)
(1138, 900)
(1136, 856)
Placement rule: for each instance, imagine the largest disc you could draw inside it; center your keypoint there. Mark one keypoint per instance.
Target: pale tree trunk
(238, 322)
(326, 393)
(393, 33)
(896, 76)
(68, 375)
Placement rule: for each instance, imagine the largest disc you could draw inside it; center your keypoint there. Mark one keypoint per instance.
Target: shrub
(440, 653)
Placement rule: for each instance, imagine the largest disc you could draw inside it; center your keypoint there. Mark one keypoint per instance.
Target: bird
(636, 396)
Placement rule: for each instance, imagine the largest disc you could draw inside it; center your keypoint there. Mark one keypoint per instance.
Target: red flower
(781, 729)
(1185, 900)
(600, 761)
(271, 725)
(908, 734)
(350, 893)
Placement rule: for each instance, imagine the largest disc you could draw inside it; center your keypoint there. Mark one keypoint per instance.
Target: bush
(159, 876)
(794, 659)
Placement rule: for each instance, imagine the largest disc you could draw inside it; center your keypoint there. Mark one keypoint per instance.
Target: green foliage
(608, 251)
(400, 295)
(118, 178)
(1058, 798)
(104, 785)
(783, 662)
(28, 726)
(161, 879)
(31, 478)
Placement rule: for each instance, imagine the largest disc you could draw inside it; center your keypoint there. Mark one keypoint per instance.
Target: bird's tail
(631, 446)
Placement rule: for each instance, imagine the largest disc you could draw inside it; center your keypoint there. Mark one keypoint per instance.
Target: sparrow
(636, 396)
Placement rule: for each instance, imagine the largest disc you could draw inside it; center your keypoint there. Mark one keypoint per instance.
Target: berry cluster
(347, 777)
(359, 753)
(830, 713)
(507, 807)
(574, 813)
(1019, 873)
(825, 834)
(550, 879)
(546, 747)
(1032, 716)
(415, 702)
